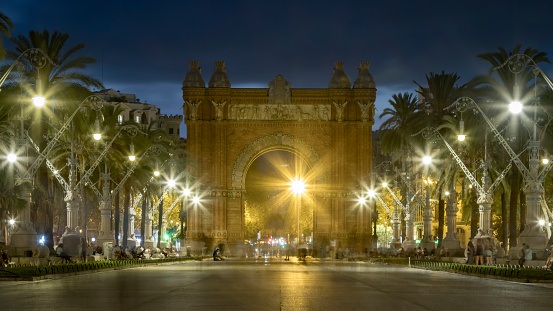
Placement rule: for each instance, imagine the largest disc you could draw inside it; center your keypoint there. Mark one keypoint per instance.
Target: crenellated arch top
(275, 141)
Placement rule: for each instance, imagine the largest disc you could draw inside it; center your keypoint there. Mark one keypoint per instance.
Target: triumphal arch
(228, 128)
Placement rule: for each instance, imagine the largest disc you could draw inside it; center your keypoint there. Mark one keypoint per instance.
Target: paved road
(272, 284)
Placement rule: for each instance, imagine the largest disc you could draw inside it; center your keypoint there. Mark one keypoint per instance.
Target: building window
(137, 119)
(178, 131)
(120, 119)
(171, 130)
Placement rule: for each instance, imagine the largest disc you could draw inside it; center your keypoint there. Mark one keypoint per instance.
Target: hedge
(516, 272)
(29, 271)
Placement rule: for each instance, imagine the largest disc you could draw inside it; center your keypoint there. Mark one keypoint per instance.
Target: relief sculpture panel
(279, 112)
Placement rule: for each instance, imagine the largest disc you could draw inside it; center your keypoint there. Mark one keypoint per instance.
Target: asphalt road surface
(274, 284)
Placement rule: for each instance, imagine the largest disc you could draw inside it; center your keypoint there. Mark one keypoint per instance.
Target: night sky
(143, 47)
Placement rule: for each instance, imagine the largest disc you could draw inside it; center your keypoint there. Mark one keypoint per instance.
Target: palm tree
(503, 86)
(64, 81)
(6, 26)
(61, 81)
(439, 94)
(143, 174)
(405, 117)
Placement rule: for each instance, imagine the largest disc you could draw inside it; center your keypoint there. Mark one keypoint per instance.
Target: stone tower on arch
(228, 128)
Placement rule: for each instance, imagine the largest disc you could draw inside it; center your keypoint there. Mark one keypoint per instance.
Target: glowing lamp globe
(39, 101)
(298, 186)
(515, 107)
(426, 160)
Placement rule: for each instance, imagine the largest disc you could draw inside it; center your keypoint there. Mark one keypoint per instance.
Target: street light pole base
(536, 240)
(22, 243)
(427, 243)
(409, 245)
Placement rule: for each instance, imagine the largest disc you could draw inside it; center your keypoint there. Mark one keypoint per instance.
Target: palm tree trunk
(143, 219)
(403, 225)
(504, 219)
(116, 218)
(126, 203)
(441, 217)
(84, 210)
(513, 208)
(474, 212)
(160, 223)
(522, 210)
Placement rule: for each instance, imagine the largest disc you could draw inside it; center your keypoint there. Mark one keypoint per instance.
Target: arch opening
(274, 214)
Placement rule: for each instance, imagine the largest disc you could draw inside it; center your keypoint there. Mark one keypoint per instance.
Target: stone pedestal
(409, 244)
(451, 244)
(24, 237)
(533, 234)
(427, 243)
(396, 243)
(72, 243)
(105, 234)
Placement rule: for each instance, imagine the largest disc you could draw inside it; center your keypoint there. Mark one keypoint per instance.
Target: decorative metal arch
(271, 142)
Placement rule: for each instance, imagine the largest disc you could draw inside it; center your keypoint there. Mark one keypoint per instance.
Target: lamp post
(484, 190)
(24, 236)
(408, 208)
(298, 188)
(182, 215)
(375, 196)
(427, 241)
(533, 179)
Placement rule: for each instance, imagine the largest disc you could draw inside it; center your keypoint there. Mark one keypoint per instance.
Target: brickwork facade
(229, 128)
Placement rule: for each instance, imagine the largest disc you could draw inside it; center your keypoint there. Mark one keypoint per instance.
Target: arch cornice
(271, 142)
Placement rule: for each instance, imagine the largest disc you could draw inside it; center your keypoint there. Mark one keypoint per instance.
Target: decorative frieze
(279, 112)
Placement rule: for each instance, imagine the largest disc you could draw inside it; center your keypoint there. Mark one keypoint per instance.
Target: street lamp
(461, 136)
(97, 134)
(532, 176)
(39, 101)
(426, 241)
(132, 157)
(196, 200)
(298, 188)
(12, 157)
(515, 107)
(171, 183)
(427, 160)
